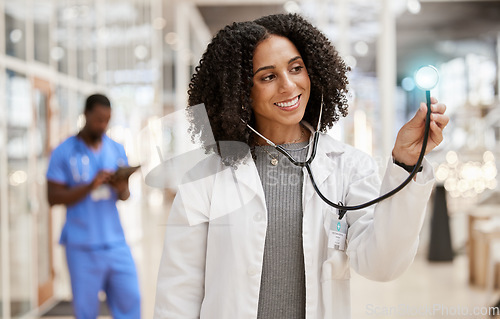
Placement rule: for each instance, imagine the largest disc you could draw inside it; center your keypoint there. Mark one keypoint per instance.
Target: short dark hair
(224, 77)
(95, 99)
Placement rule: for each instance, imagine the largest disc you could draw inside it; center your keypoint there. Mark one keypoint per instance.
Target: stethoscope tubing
(342, 208)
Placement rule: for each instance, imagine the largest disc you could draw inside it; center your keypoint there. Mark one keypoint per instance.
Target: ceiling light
(159, 23)
(16, 35)
(413, 6)
(141, 52)
(361, 48)
(171, 38)
(57, 53)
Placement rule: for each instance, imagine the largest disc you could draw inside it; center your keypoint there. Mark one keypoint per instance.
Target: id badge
(337, 235)
(101, 193)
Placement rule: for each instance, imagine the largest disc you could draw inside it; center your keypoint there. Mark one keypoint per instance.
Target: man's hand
(102, 177)
(120, 185)
(63, 194)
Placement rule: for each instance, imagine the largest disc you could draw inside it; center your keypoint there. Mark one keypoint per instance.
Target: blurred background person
(81, 177)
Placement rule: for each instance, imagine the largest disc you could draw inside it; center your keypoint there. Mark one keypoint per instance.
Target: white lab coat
(214, 242)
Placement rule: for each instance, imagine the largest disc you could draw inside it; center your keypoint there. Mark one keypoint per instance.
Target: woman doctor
(251, 239)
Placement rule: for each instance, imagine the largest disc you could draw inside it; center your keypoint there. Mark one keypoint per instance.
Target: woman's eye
(297, 68)
(268, 77)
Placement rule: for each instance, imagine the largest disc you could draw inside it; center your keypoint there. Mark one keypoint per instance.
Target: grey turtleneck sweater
(282, 290)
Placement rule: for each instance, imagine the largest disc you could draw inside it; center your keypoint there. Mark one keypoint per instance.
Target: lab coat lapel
(322, 166)
(248, 177)
(235, 188)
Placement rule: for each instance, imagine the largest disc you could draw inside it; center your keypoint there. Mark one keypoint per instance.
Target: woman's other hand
(411, 135)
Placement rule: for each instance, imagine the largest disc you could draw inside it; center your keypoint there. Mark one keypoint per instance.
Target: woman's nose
(286, 83)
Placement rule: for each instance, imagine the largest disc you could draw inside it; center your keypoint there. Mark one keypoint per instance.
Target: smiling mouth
(290, 103)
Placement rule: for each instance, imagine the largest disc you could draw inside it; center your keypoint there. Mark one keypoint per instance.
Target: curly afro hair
(224, 77)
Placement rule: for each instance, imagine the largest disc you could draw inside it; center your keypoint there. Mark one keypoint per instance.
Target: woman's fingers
(440, 119)
(435, 137)
(438, 108)
(438, 122)
(436, 133)
(437, 115)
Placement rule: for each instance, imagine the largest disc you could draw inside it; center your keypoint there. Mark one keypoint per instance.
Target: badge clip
(341, 211)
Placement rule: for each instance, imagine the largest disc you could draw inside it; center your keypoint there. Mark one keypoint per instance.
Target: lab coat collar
(322, 166)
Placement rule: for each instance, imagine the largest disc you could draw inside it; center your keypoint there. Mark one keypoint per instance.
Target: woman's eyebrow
(267, 67)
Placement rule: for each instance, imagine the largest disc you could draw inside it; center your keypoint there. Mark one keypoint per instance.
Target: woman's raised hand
(410, 137)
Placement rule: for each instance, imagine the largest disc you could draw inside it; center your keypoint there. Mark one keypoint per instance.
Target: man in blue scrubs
(80, 176)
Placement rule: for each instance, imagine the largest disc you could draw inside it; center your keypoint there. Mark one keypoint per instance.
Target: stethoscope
(426, 78)
(73, 162)
(80, 151)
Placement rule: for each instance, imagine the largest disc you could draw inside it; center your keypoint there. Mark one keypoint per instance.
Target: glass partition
(43, 220)
(63, 110)
(41, 23)
(19, 120)
(3, 193)
(61, 34)
(15, 28)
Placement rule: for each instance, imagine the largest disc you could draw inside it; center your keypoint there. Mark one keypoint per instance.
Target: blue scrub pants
(110, 269)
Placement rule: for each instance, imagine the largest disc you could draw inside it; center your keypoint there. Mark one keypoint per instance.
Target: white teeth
(287, 104)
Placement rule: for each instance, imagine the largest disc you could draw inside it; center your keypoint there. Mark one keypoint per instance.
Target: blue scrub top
(93, 222)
